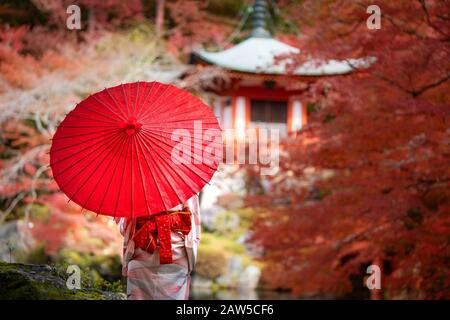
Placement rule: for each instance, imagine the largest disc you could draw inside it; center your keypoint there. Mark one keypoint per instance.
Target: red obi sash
(159, 227)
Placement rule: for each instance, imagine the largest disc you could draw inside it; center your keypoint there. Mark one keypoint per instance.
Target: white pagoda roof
(258, 55)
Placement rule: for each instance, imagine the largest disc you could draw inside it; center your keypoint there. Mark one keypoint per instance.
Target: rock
(238, 276)
(12, 240)
(249, 278)
(224, 280)
(235, 265)
(229, 279)
(41, 282)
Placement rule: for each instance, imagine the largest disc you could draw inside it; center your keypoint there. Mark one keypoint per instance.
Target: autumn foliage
(367, 180)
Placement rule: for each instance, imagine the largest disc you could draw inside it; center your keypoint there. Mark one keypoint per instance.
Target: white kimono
(147, 279)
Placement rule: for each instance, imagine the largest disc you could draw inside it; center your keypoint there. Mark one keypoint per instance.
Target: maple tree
(96, 14)
(367, 180)
(37, 87)
(194, 25)
(65, 227)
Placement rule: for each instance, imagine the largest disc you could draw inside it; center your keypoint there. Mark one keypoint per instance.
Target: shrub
(211, 262)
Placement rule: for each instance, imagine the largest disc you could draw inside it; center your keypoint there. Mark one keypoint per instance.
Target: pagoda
(263, 91)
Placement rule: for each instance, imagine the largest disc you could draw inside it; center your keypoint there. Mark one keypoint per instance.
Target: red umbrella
(136, 149)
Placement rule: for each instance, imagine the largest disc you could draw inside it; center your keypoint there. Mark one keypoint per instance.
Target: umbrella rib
(84, 106)
(160, 169)
(141, 174)
(87, 155)
(179, 142)
(131, 180)
(126, 99)
(185, 104)
(173, 127)
(192, 115)
(145, 112)
(150, 112)
(169, 168)
(154, 179)
(166, 132)
(170, 146)
(203, 120)
(169, 108)
(121, 181)
(176, 97)
(206, 181)
(79, 160)
(192, 189)
(84, 134)
(110, 181)
(182, 103)
(90, 119)
(136, 98)
(81, 142)
(110, 136)
(96, 168)
(116, 103)
(157, 138)
(104, 172)
(145, 99)
(107, 107)
(192, 158)
(71, 126)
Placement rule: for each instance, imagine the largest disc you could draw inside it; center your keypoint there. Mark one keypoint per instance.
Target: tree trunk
(159, 17)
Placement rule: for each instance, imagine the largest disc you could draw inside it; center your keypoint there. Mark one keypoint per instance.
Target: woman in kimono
(160, 252)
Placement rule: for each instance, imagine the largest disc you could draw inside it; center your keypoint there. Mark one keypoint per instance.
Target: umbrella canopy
(136, 149)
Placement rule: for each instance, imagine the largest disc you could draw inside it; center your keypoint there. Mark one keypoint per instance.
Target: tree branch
(417, 92)
(428, 18)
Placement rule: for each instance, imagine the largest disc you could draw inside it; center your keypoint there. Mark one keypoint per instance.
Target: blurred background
(362, 108)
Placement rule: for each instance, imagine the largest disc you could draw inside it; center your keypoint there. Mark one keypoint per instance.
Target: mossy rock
(41, 282)
(108, 267)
